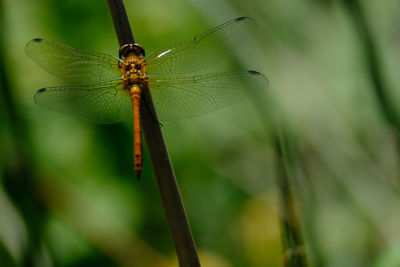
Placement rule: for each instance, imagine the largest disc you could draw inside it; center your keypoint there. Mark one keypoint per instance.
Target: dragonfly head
(131, 49)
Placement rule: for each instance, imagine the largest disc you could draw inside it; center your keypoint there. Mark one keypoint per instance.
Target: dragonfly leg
(152, 115)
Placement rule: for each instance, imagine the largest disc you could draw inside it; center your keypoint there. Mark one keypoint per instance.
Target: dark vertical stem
(121, 22)
(164, 173)
(371, 54)
(293, 245)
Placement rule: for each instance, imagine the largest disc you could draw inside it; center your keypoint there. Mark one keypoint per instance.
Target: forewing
(102, 102)
(182, 97)
(73, 65)
(202, 51)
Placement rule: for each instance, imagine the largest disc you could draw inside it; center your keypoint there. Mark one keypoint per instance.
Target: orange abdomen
(135, 95)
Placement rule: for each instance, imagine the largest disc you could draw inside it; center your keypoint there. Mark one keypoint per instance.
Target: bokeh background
(305, 174)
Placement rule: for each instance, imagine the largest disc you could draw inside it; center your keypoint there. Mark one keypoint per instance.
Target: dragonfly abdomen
(134, 70)
(135, 94)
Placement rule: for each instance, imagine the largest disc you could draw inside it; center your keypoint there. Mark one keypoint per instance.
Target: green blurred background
(305, 174)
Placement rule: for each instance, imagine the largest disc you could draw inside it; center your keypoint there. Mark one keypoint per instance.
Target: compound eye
(129, 49)
(139, 50)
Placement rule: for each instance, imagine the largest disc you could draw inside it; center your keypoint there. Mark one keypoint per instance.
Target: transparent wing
(182, 97)
(102, 102)
(202, 51)
(73, 65)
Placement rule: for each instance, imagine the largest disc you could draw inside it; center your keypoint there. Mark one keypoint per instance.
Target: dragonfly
(107, 89)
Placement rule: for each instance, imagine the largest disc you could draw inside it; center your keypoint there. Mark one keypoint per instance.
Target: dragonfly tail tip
(138, 174)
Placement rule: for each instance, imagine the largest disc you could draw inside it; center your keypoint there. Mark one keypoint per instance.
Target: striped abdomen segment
(135, 95)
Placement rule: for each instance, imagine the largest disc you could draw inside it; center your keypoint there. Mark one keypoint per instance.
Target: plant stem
(121, 22)
(164, 173)
(374, 66)
(293, 245)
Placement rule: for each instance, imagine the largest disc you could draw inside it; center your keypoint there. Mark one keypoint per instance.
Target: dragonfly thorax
(134, 70)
